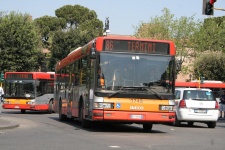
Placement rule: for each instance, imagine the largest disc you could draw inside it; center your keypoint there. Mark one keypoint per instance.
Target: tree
(75, 15)
(210, 35)
(166, 27)
(19, 43)
(47, 25)
(211, 66)
(82, 26)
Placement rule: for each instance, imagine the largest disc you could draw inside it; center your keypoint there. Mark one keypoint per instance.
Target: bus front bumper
(158, 117)
(25, 106)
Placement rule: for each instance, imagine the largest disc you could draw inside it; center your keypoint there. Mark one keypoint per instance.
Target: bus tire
(147, 127)
(61, 116)
(50, 106)
(84, 122)
(23, 111)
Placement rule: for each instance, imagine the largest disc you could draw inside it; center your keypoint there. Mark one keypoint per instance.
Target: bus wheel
(23, 111)
(50, 107)
(61, 116)
(84, 122)
(147, 127)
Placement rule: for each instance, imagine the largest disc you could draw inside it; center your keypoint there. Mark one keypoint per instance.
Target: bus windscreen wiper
(140, 88)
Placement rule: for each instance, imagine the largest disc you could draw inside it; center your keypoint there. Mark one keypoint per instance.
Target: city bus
(137, 85)
(217, 87)
(29, 91)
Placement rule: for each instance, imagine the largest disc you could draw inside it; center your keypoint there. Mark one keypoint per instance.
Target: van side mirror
(93, 53)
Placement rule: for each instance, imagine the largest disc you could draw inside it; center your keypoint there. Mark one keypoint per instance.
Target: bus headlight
(31, 102)
(167, 107)
(103, 105)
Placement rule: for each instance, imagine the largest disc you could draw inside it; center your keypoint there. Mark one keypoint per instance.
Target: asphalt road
(42, 131)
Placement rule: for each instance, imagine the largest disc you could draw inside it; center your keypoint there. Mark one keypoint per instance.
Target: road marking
(114, 146)
(3, 133)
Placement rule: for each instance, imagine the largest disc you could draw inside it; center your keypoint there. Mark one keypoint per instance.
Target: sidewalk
(5, 123)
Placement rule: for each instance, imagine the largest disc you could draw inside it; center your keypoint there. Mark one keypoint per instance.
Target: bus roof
(35, 75)
(81, 51)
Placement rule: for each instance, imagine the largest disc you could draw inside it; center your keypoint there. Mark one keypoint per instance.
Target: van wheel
(211, 124)
(147, 127)
(177, 123)
(61, 116)
(190, 123)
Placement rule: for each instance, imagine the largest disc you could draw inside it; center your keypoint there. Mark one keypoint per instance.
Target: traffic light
(1, 77)
(208, 6)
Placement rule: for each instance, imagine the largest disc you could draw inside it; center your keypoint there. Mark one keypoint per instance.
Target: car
(196, 105)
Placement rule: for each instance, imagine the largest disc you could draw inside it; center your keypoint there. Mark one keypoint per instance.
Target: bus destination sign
(19, 76)
(136, 46)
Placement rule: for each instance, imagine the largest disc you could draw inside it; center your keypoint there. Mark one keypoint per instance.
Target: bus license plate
(136, 116)
(17, 107)
(200, 111)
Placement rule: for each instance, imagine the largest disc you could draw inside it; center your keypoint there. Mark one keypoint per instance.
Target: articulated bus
(217, 87)
(29, 91)
(136, 86)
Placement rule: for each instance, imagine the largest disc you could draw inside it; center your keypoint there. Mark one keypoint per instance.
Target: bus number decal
(136, 100)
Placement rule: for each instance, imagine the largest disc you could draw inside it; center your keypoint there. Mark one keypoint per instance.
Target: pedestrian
(222, 105)
(1, 94)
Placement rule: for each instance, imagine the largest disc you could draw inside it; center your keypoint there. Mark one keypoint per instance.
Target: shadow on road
(108, 127)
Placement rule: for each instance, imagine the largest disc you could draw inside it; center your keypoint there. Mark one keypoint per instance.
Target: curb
(6, 124)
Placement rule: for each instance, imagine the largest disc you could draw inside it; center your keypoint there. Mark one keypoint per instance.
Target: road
(42, 131)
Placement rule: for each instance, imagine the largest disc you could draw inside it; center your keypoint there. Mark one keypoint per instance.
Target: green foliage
(166, 27)
(211, 66)
(19, 43)
(210, 35)
(47, 26)
(75, 15)
(82, 26)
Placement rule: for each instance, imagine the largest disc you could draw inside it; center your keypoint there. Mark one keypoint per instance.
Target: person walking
(222, 105)
(1, 94)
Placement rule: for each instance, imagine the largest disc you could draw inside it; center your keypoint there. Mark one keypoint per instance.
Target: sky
(124, 15)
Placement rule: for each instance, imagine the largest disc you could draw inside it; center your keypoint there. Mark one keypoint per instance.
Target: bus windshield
(124, 70)
(19, 88)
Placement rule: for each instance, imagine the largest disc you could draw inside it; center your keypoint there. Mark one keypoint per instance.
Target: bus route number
(109, 45)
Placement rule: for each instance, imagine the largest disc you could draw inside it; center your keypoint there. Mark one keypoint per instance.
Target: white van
(196, 105)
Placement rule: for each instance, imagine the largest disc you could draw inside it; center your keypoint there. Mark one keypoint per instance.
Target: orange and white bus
(216, 86)
(136, 86)
(29, 91)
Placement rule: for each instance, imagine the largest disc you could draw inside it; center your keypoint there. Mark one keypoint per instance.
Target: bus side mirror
(93, 53)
